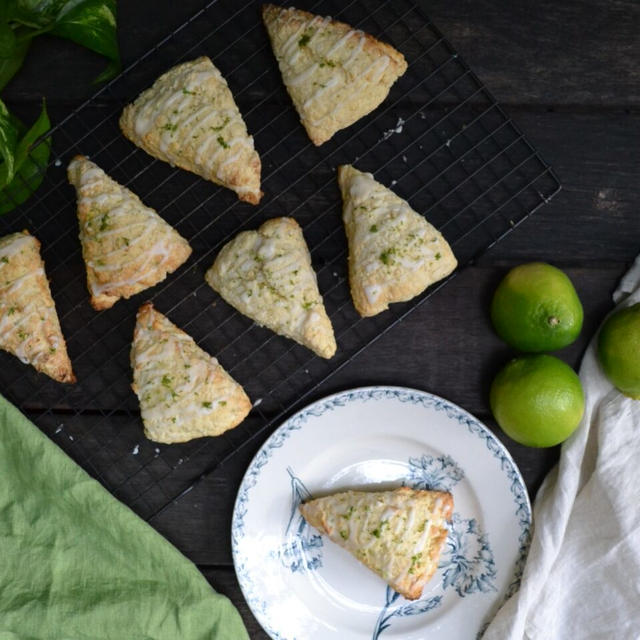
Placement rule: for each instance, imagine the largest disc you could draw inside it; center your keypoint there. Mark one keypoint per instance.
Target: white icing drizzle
(332, 82)
(268, 277)
(287, 47)
(99, 200)
(200, 77)
(13, 248)
(382, 63)
(304, 75)
(419, 545)
(317, 64)
(161, 250)
(91, 176)
(390, 236)
(368, 526)
(293, 43)
(9, 327)
(372, 291)
(15, 285)
(329, 114)
(411, 514)
(362, 187)
(18, 306)
(191, 113)
(122, 231)
(175, 378)
(340, 43)
(356, 52)
(193, 118)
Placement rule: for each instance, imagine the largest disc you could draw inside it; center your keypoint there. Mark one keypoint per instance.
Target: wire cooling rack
(439, 140)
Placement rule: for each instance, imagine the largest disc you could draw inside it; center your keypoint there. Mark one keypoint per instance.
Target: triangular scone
(127, 247)
(394, 253)
(190, 119)
(398, 534)
(267, 275)
(334, 74)
(184, 392)
(29, 326)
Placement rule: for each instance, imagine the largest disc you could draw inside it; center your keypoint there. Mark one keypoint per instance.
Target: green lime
(619, 350)
(536, 308)
(537, 400)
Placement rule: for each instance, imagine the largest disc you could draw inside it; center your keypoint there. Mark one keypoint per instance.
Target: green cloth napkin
(77, 564)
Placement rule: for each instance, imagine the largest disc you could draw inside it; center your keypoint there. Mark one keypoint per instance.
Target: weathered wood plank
(575, 52)
(594, 219)
(581, 52)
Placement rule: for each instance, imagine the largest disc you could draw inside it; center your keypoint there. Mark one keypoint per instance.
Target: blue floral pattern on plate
(411, 609)
(467, 562)
(302, 548)
(429, 472)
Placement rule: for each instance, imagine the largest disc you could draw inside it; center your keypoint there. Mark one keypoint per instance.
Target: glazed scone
(29, 326)
(189, 118)
(267, 275)
(184, 392)
(398, 534)
(127, 247)
(394, 253)
(334, 74)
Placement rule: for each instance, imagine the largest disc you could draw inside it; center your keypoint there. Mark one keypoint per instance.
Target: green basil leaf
(7, 40)
(30, 162)
(92, 24)
(9, 66)
(38, 129)
(8, 143)
(27, 179)
(8, 9)
(35, 13)
(111, 71)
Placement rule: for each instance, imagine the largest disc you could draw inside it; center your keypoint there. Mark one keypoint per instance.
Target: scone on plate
(267, 275)
(398, 534)
(394, 253)
(189, 118)
(127, 247)
(334, 74)
(29, 326)
(184, 392)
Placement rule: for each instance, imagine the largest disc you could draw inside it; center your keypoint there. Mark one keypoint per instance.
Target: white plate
(301, 586)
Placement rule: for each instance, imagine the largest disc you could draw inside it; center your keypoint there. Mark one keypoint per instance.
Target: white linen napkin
(582, 577)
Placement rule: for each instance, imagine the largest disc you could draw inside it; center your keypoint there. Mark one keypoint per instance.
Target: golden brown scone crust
(189, 118)
(398, 534)
(394, 253)
(184, 392)
(334, 74)
(267, 275)
(127, 247)
(29, 325)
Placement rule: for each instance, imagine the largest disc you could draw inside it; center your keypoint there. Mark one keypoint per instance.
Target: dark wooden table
(567, 73)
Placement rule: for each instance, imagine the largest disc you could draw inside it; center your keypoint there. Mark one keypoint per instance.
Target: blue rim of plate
(380, 392)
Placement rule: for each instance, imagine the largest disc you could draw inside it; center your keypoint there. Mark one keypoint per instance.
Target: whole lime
(619, 350)
(536, 308)
(537, 400)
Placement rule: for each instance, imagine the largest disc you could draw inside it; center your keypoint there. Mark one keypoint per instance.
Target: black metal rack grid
(439, 140)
